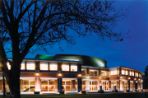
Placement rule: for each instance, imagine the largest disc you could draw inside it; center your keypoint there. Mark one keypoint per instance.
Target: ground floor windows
(70, 85)
(90, 85)
(27, 85)
(49, 85)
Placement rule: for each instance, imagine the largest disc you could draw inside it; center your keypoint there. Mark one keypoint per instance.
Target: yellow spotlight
(79, 75)
(59, 75)
(37, 74)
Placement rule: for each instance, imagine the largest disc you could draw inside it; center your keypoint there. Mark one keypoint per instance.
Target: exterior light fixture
(59, 75)
(79, 75)
(37, 74)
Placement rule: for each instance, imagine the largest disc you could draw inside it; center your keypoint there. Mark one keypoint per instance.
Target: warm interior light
(37, 74)
(129, 78)
(8, 65)
(79, 75)
(60, 75)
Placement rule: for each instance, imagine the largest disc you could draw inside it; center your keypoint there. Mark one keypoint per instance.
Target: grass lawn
(104, 95)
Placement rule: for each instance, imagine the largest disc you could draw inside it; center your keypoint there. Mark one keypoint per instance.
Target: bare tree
(34, 22)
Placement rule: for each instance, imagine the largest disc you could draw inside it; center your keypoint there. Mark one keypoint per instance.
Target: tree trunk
(14, 80)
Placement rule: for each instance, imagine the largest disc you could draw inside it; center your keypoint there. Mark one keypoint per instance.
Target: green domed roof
(84, 60)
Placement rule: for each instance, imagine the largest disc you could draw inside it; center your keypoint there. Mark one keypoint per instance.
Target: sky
(131, 52)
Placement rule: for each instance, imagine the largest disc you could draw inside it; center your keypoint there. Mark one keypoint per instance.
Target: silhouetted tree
(26, 23)
(146, 71)
(145, 78)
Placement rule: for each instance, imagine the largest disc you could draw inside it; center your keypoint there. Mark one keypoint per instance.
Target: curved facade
(74, 74)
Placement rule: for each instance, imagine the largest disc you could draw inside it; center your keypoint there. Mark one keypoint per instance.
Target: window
(65, 67)
(131, 73)
(23, 66)
(123, 72)
(43, 66)
(126, 72)
(93, 72)
(74, 67)
(30, 65)
(136, 74)
(53, 67)
(114, 72)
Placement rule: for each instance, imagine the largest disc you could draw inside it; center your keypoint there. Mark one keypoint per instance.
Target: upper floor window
(93, 72)
(131, 73)
(114, 72)
(123, 72)
(53, 66)
(23, 66)
(30, 66)
(73, 67)
(104, 73)
(65, 67)
(84, 70)
(43, 66)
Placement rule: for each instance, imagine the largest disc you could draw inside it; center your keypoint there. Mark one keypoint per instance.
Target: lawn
(104, 95)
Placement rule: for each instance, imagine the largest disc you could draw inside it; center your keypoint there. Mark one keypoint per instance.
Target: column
(37, 85)
(60, 87)
(128, 85)
(87, 85)
(79, 84)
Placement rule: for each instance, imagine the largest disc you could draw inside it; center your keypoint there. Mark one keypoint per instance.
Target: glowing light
(8, 65)
(37, 74)
(129, 78)
(79, 75)
(59, 75)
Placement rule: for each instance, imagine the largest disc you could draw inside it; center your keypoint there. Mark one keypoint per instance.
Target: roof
(83, 59)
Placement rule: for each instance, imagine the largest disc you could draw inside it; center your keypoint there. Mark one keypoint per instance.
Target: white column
(121, 85)
(37, 84)
(87, 85)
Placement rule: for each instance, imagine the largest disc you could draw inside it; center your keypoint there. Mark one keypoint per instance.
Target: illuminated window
(65, 67)
(126, 72)
(103, 73)
(23, 66)
(53, 66)
(114, 72)
(93, 72)
(73, 67)
(136, 74)
(123, 72)
(131, 73)
(30, 66)
(43, 66)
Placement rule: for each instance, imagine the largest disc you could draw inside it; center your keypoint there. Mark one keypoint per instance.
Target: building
(74, 74)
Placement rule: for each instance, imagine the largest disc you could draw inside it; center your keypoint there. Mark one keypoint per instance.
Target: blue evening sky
(132, 52)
